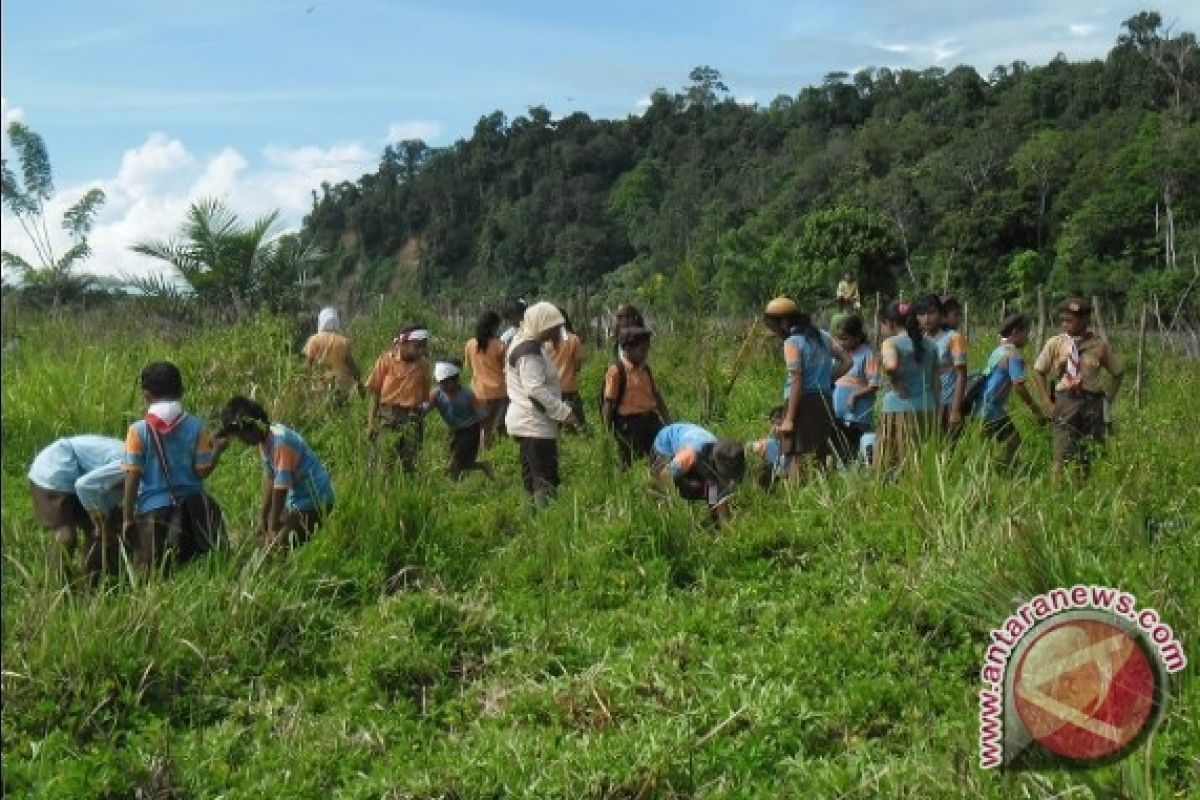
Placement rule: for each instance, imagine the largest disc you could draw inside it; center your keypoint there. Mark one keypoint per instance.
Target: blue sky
(259, 101)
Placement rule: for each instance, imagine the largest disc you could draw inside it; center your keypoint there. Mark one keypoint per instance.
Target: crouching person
(75, 484)
(297, 492)
(168, 454)
(698, 464)
(463, 414)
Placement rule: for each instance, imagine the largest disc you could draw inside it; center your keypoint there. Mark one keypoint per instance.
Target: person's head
(781, 315)
(487, 327)
(628, 316)
(850, 333)
(728, 461)
(848, 276)
(928, 309)
(328, 320)
(411, 342)
(951, 312)
(543, 323)
(245, 420)
(161, 380)
(514, 311)
(446, 372)
(1074, 315)
(635, 343)
(1015, 328)
(899, 317)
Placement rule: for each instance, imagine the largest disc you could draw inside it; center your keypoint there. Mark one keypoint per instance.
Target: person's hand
(220, 444)
(785, 427)
(573, 422)
(955, 418)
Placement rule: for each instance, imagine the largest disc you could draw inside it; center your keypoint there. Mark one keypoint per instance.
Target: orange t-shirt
(487, 369)
(639, 389)
(332, 350)
(399, 382)
(568, 357)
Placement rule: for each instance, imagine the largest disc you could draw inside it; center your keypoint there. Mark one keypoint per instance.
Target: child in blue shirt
(462, 413)
(168, 454)
(297, 492)
(1005, 373)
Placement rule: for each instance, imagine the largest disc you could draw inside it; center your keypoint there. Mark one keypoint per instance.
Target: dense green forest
(1080, 176)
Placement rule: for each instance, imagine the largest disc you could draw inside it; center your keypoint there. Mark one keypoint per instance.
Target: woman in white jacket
(535, 405)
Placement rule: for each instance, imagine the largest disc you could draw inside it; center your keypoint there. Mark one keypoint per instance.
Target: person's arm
(889, 363)
(209, 450)
(264, 508)
(960, 389)
(609, 408)
(374, 388)
(532, 370)
(275, 518)
(95, 489)
(1016, 374)
(795, 366)
(844, 361)
(132, 465)
(133, 481)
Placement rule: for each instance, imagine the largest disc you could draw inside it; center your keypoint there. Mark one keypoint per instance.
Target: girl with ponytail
(909, 359)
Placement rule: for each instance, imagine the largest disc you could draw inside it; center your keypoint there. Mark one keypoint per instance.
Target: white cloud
(1080, 29)
(157, 181)
(424, 130)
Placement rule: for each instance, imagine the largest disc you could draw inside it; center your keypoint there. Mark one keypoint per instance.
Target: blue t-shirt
(185, 448)
(288, 459)
(952, 352)
(681, 443)
(863, 373)
(89, 466)
(815, 362)
(1005, 367)
(459, 411)
(918, 376)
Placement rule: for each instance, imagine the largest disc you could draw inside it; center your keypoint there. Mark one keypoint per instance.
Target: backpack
(622, 379)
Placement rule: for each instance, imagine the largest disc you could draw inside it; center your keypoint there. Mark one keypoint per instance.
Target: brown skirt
(58, 509)
(900, 433)
(813, 428)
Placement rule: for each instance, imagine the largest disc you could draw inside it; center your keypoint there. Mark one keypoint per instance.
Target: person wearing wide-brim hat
(1075, 358)
(809, 354)
(699, 465)
(536, 409)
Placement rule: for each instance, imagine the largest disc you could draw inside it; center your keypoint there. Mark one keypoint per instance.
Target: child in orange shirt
(397, 387)
(634, 409)
(567, 355)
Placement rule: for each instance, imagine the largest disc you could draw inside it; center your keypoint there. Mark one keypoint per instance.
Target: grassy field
(440, 640)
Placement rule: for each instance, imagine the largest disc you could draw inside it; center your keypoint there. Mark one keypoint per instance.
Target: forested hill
(1084, 176)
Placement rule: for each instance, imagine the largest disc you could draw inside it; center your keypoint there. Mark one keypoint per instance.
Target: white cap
(443, 370)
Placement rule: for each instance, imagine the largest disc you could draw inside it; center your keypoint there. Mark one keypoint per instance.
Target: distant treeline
(1084, 177)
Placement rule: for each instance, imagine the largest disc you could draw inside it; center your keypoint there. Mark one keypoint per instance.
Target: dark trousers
(296, 527)
(1078, 426)
(178, 533)
(539, 467)
(635, 435)
(847, 438)
(464, 449)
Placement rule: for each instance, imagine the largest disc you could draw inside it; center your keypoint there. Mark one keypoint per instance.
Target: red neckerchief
(161, 426)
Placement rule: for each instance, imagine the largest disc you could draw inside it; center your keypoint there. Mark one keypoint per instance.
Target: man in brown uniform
(1074, 359)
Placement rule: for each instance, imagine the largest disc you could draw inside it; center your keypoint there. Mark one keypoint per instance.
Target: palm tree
(222, 261)
(53, 274)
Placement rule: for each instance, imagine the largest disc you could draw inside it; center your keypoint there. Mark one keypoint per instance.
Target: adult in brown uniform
(1073, 360)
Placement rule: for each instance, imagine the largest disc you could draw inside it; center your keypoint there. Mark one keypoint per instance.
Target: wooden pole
(1141, 360)
(966, 320)
(1098, 317)
(1003, 312)
(1041, 320)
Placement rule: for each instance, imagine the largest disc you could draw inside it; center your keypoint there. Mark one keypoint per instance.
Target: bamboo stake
(1003, 312)
(1141, 360)
(966, 320)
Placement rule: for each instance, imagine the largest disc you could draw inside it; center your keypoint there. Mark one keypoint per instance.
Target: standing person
(484, 355)
(847, 293)
(809, 355)
(854, 393)
(535, 405)
(462, 413)
(567, 354)
(634, 409)
(951, 312)
(1075, 358)
(952, 361)
(910, 405)
(1004, 374)
(329, 348)
(397, 388)
(698, 465)
(297, 491)
(75, 484)
(168, 454)
(514, 312)
(627, 317)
